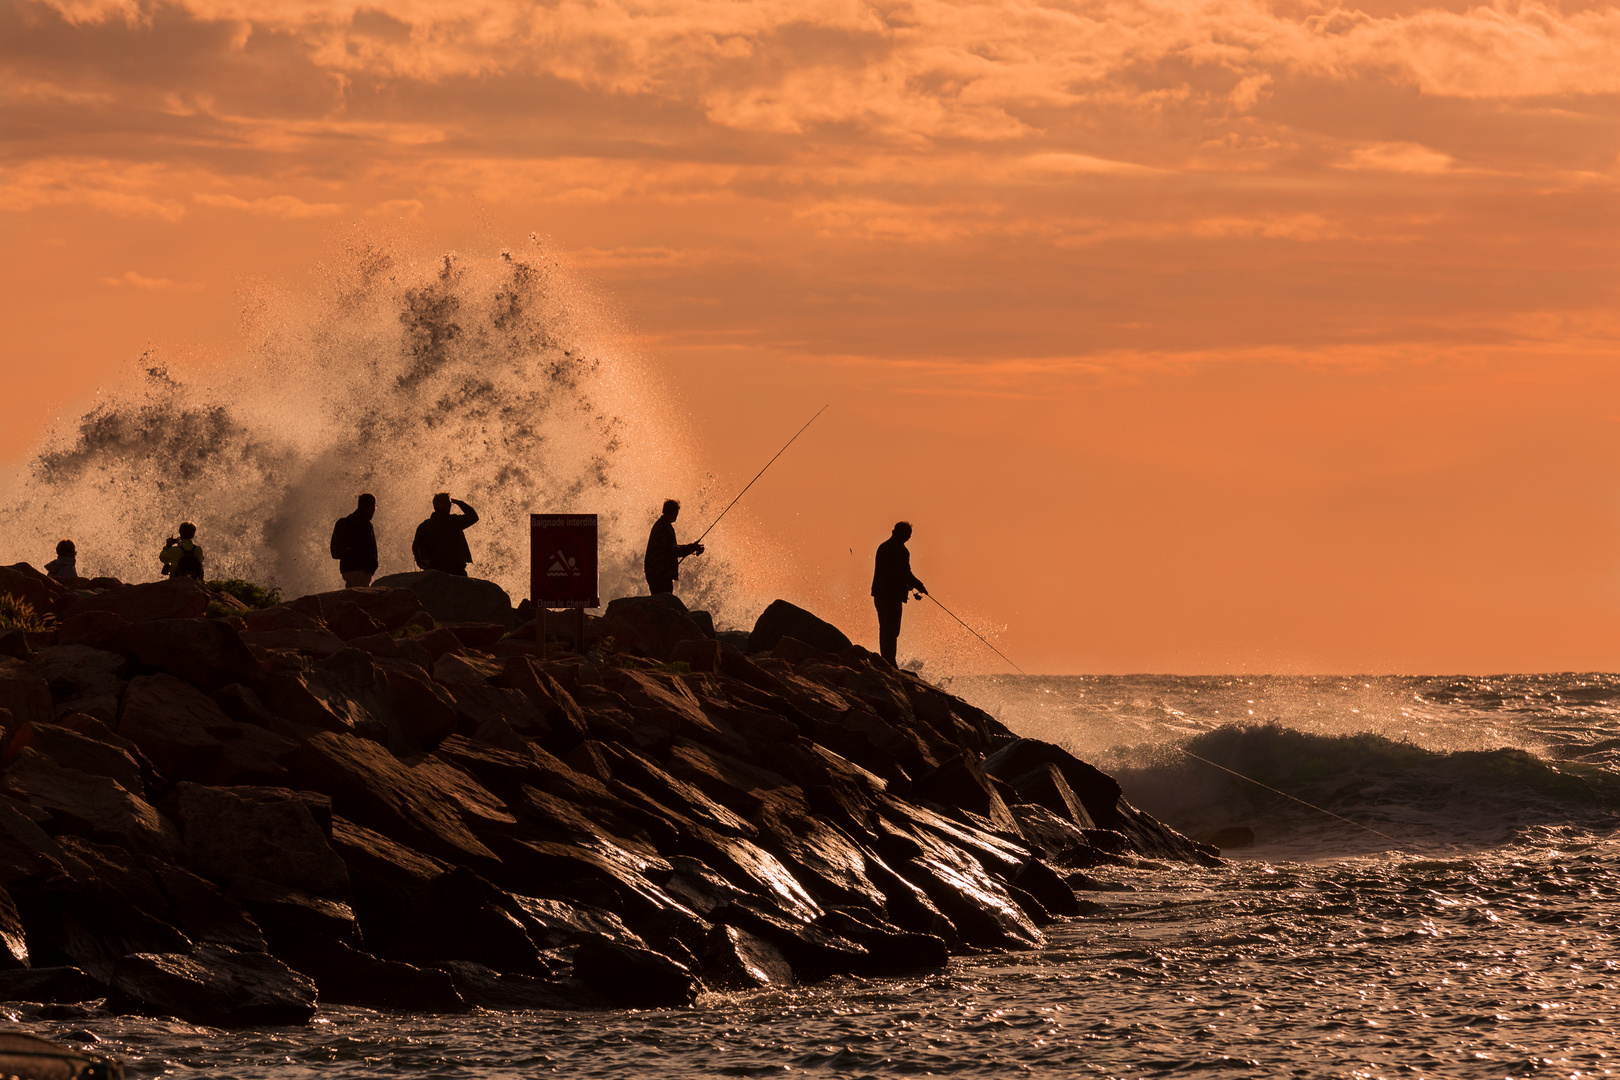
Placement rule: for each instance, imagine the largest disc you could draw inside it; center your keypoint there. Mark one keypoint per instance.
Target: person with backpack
(354, 544)
(182, 556)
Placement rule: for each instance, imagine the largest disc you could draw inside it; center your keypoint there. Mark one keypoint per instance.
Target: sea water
(1452, 909)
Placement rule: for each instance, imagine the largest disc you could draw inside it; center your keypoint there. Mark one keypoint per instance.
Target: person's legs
(888, 612)
(356, 579)
(660, 585)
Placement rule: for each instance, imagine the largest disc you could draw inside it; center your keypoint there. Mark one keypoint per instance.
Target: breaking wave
(493, 378)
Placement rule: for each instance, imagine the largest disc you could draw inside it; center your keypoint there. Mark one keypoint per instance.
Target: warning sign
(562, 561)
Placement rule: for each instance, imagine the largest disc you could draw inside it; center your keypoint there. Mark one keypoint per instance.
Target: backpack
(189, 565)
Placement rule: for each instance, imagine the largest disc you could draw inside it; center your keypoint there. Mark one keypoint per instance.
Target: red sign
(562, 561)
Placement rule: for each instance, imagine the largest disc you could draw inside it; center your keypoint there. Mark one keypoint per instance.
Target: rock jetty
(227, 814)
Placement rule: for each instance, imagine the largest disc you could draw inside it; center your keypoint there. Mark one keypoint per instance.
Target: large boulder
(279, 835)
(24, 693)
(39, 591)
(69, 748)
(783, 619)
(207, 653)
(174, 724)
(345, 975)
(650, 626)
(89, 805)
(212, 985)
(450, 598)
(632, 977)
(371, 786)
(173, 598)
(388, 608)
(82, 679)
(59, 985)
(28, 1056)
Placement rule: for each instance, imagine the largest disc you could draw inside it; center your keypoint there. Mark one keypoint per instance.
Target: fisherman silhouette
(892, 579)
(65, 567)
(354, 544)
(182, 556)
(664, 555)
(441, 540)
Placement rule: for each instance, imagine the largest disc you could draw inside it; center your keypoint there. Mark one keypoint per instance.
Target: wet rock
(979, 906)
(824, 858)
(370, 786)
(752, 868)
(735, 959)
(388, 879)
(61, 985)
(389, 701)
(889, 951)
(88, 923)
(650, 626)
(453, 599)
(25, 1056)
(783, 619)
(644, 776)
(345, 975)
(198, 909)
(173, 598)
(480, 808)
(276, 834)
(72, 750)
(553, 923)
(1047, 887)
(212, 985)
(1045, 786)
(813, 951)
(82, 679)
(907, 907)
(24, 693)
(89, 805)
(464, 917)
(962, 784)
(13, 938)
(487, 989)
(1055, 839)
(634, 978)
(289, 917)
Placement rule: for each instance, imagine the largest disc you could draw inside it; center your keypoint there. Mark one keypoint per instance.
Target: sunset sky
(1191, 336)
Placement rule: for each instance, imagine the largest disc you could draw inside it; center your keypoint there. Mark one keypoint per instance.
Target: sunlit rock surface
(343, 796)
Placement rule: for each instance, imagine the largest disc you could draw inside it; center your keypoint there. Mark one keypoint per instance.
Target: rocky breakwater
(337, 798)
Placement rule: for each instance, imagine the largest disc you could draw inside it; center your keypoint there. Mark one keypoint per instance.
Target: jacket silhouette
(354, 544)
(441, 540)
(662, 563)
(892, 580)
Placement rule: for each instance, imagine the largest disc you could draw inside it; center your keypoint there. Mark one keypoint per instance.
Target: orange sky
(1191, 336)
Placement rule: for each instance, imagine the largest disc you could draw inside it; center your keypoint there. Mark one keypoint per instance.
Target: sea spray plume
(482, 376)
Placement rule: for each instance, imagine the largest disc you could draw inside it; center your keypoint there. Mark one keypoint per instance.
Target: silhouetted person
(65, 567)
(892, 579)
(354, 544)
(441, 540)
(664, 555)
(181, 555)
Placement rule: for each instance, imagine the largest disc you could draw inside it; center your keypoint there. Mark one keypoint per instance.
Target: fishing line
(761, 472)
(1189, 753)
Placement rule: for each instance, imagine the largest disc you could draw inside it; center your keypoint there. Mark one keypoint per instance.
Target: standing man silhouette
(664, 555)
(354, 544)
(441, 540)
(892, 579)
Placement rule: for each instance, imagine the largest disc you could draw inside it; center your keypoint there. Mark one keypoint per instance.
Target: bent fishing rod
(1189, 753)
(761, 472)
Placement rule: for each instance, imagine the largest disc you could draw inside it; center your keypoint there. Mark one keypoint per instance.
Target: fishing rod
(761, 472)
(1189, 753)
(976, 634)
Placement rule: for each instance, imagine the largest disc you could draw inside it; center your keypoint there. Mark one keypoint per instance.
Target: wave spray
(492, 378)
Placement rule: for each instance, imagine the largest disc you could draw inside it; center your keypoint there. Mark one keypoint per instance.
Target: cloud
(129, 279)
(281, 206)
(1399, 157)
(115, 187)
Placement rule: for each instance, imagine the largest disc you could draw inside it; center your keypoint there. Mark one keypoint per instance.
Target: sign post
(563, 569)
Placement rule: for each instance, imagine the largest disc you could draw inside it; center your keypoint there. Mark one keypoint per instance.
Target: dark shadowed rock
(262, 832)
(198, 909)
(14, 643)
(565, 721)
(553, 923)
(452, 599)
(783, 619)
(370, 786)
(634, 978)
(1044, 785)
(487, 989)
(735, 959)
(824, 858)
(173, 724)
(88, 923)
(27, 1056)
(72, 750)
(387, 607)
(213, 985)
(82, 679)
(89, 805)
(319, 642)
(207, 653)
(24, 693)
(289, 917)
(63, 985)
(962, 784)
(1047, 887)
(1055, 839)
(889, 951)
(650, 626)
(464, 917)
(42, 592)
(345, 975)
(388, 879)
(174, 598)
